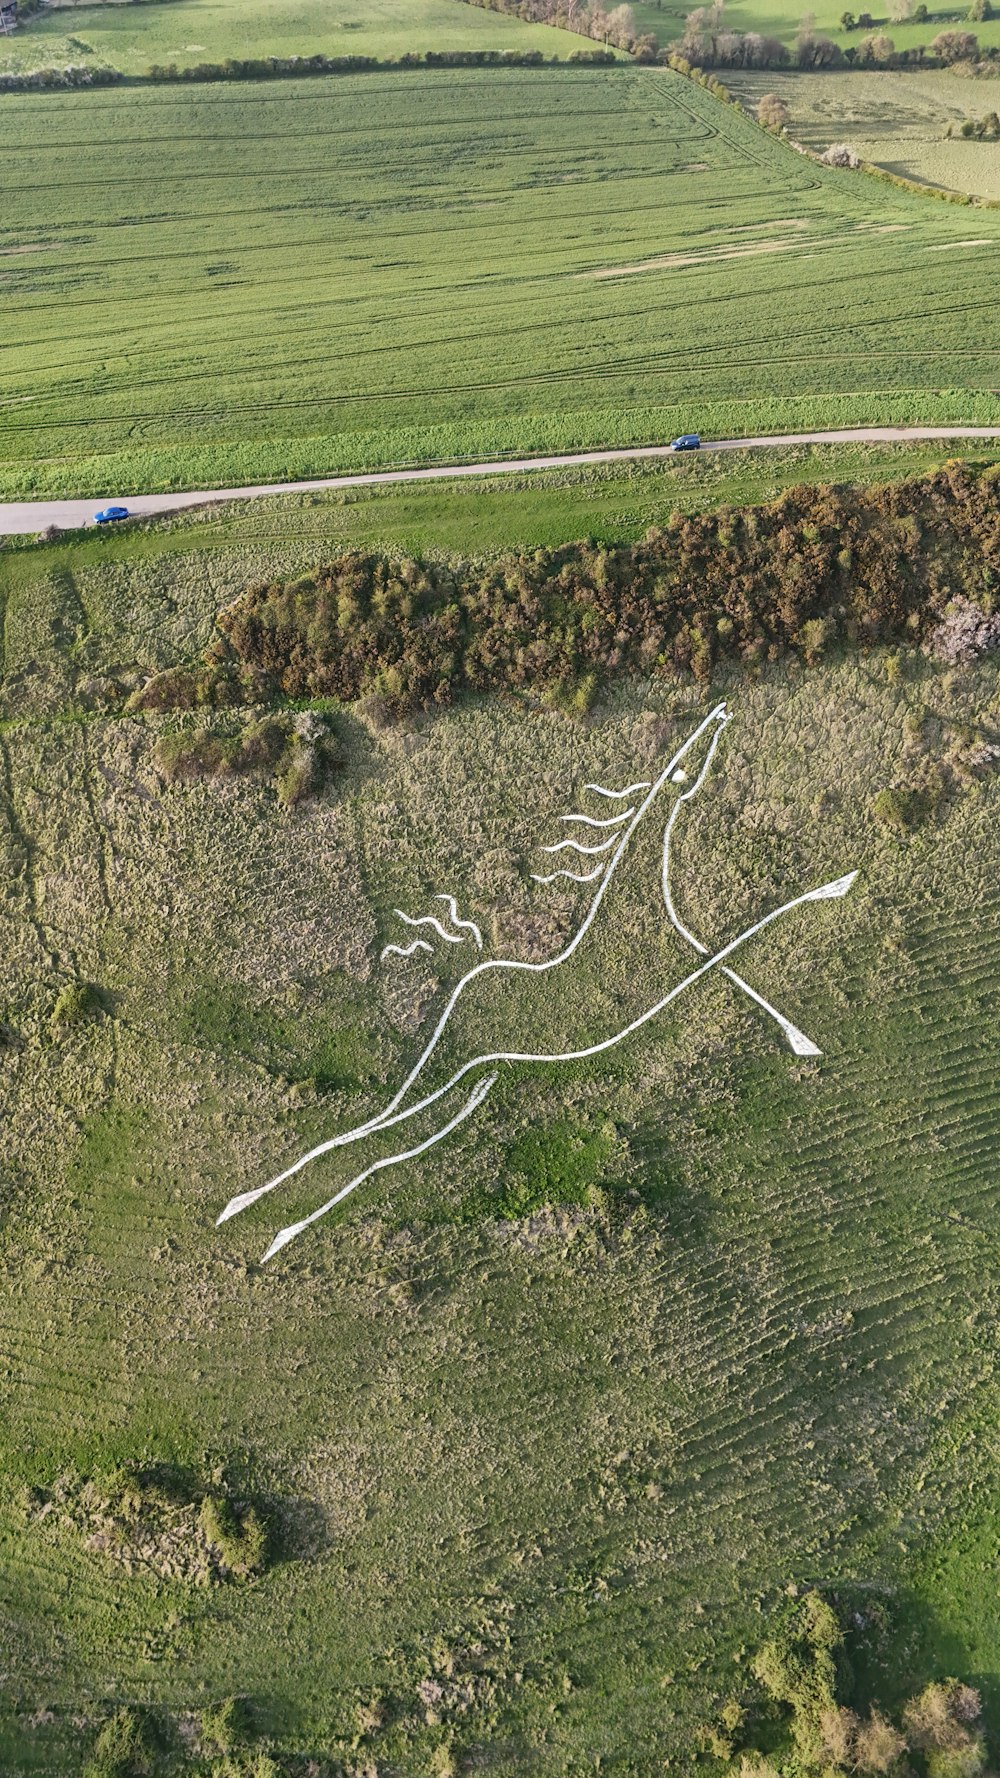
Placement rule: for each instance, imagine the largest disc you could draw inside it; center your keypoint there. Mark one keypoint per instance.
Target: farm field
(896, 121)
(548, 1423)
(776, 18)
(421, 268)
(186, 32)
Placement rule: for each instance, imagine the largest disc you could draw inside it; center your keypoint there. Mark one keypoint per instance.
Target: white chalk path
(295, 1228)
(391, 1115)
(799, 1042)
(418, 944)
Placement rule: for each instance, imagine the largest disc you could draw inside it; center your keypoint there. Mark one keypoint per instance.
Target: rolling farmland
(776, 18)
(186, 32)
(208, 287)
(896, 121)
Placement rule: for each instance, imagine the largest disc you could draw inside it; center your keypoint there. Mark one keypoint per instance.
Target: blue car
(688, 441)
(109, 514)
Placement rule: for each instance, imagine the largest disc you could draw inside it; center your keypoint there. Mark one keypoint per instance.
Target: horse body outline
(624, 826)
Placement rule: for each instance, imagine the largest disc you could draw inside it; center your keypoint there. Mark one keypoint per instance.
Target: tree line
(615, 28)
(818, 568)
(706, 42)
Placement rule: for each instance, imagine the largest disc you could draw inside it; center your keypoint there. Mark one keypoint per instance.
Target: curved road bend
(26, 516)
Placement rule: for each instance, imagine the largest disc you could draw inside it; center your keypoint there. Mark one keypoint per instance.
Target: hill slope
(540, 1423)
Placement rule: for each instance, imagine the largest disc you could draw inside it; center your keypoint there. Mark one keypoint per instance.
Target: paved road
(24, 517)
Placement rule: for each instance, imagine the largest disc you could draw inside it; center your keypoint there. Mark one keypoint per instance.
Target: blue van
(688, 441)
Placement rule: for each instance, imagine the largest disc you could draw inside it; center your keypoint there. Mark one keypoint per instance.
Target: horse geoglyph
(604, 851)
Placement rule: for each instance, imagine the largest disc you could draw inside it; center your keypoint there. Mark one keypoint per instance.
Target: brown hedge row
(817, 567)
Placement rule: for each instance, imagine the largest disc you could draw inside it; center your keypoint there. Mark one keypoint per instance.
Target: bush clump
(239, 1537)
(119, 1750)
(297, 753)
(154, 1520)
(76, 1002)
(965, 632)
(840, 154)
(794, 1707)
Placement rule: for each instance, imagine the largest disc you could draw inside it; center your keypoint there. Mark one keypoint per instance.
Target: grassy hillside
(427, 266)
(187, 32)
(543, 1425)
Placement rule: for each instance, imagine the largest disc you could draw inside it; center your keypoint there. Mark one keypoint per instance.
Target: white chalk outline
(391, 1115)
(419, 944)
(799, 1042)
(575, 846)
(469, 925)
(428, 920)
(629, 790)
(476, 1098)
(572, 876)
(612, 821)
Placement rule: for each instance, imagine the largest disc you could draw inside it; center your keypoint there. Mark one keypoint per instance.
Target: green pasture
(776, 18)
(186, 32)
(896, 121)
(228, 285)
(549, 1420)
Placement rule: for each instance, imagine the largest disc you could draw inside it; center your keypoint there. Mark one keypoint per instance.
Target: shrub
(901, 808)
(878, 1746)
(119, 1750)
(939, 1719)
(874, 565)
(840, 155)
(76, 1002)
(965, 632)
(223, 1726)
(241, 1539)
(956, 46)
(837, 1729)
(297, 753)
(772, 111)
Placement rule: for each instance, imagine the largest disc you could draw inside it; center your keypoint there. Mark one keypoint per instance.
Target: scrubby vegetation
(793, 1719)
(816, 569)
(76, 1002)
(152, 1518)
(298, 753)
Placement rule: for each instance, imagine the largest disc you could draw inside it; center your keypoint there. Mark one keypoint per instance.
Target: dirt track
(20, 518)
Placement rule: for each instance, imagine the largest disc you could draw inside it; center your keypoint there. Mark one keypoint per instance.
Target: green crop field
(228, 285)
(545, 1425)
(186, 32)
(896, 121)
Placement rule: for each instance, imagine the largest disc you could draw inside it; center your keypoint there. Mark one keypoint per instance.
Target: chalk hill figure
(504, 1011)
